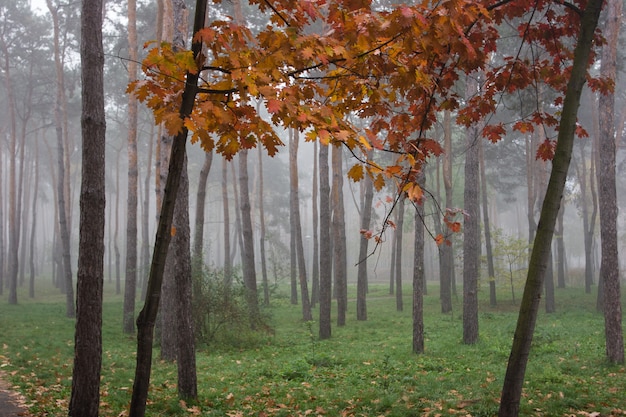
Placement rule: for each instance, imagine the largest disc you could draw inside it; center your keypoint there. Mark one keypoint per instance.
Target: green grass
(366, 369)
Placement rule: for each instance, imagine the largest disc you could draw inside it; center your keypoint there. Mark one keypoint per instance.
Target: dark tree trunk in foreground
(607, 194)
(183, 326)
(147, 316)
(325, 253)
(516, 369)
(366, 217)
(418, 279)
(471, 229)
(85, 397)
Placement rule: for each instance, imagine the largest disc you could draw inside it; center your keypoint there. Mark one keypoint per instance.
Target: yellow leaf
(356, 173)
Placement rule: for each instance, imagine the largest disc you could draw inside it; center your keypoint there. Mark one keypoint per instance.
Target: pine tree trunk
(471, 229)
(296, 231)
(198, 239)
(228, 266)
(486, 224)
(607, 194)
(446, 253)
(339, 237)
(247, 254)
(325, 252)
(520, 350)
(560, 250)
(266, 286)
(33, 227)
(130, 289)
(85, 397)
(315, 274)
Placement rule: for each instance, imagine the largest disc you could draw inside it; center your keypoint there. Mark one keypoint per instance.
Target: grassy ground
(366, 369)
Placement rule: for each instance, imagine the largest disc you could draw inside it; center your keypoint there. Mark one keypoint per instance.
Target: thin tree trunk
(116, 248)
(325, 253)
(418, 277)
(398, 259)
(446, 251)
(266, 286)
(297, 226)
(2, 248)
(315, 274)
(145, 224)
(198, 240)
(85, 397)
(228, 266)
(339, 236)
(130, 289)
(247, 254)
(486, 224)
(33, 226)
(520, 350)
(607, 193)
(366, 217)
(560, 250)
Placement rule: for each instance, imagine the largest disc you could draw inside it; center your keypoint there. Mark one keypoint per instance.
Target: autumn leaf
(545, 150)
(356, 173)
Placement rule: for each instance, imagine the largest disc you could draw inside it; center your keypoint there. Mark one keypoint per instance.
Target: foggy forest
(321, 207)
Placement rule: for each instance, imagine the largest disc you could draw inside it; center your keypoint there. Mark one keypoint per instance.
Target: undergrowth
(365, 369)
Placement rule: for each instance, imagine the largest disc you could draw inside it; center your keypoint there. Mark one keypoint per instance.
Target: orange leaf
(356, 173)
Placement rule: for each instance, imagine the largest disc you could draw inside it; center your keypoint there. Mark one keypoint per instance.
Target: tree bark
(560, 250)
(471, 228)
(147, 316)
(266, 286)
(33, 227)
(247, 254)
(325, 253)
(198, 239)
(366, 217)
(130, 289)
(296, 231)
(315, 273)
(418, 278)
(607, 194)
(398, 259)
(339, 236)
(520, 350)
(487, 226)
(85, 397)
(228, 266)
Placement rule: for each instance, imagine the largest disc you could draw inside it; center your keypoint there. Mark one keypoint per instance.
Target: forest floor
(11, 403)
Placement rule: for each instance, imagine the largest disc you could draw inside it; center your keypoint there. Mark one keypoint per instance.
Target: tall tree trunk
(266, 285)
(33, 227)
(147, 316)
(366, 217)
(520, 350)
(325, 252)
(418, 277)
(130, 289)
(296, 231)
(116, 248)
(85, 397)
(607, 194)
(550, 303)
(145, 224)
(315, 273)
(238, 226)
(2, 246)
(247, 254)
(183, 326)
(487, 226)
(398, 259)
(339, 236)
(471, 228)
(446, 251)
(228, 266)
